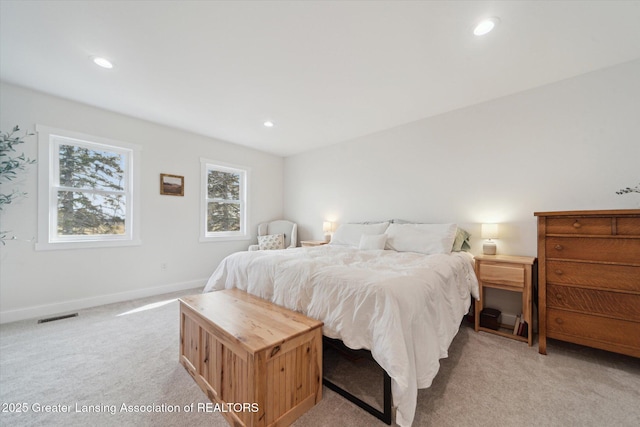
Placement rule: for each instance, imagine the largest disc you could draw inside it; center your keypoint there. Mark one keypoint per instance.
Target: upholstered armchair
(270, 234)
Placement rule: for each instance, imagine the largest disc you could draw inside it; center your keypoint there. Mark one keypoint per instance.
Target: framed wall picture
(171, 185)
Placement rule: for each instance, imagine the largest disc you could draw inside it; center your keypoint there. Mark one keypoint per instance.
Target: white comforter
(404, 307)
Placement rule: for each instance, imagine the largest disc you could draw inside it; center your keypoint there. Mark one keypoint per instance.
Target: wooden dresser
(589, 279)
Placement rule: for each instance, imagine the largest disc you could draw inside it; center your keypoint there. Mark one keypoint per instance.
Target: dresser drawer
(590, 301)
(579, 226)
(609, 276)
(628, 226)
(623, 250)
(503, 274)
(582, 327)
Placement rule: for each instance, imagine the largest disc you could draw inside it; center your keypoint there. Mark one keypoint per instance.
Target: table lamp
(327, 228)
(489, 231)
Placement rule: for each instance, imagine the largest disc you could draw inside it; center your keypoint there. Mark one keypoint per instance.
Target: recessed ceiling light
(268, 124)
(104, 63)
(485, 26)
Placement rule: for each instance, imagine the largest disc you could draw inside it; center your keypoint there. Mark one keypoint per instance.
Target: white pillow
(372, 241)
(350, 234)
(422, 238)
(271, 241)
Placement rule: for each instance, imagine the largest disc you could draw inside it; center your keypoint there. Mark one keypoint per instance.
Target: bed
(372, 292)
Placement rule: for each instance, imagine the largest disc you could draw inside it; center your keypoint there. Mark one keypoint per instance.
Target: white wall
(35, 283)
(569, 145)
(565, 146)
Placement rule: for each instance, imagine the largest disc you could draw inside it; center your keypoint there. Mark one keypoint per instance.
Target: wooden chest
(260, 362)
(589, 279)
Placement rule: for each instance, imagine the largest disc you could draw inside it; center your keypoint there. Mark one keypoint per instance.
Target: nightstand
(310, 243)
(510, 273)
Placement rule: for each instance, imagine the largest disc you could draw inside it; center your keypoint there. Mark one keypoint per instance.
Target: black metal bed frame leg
(385, 414)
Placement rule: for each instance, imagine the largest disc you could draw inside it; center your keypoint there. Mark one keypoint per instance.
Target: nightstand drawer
(503, 274)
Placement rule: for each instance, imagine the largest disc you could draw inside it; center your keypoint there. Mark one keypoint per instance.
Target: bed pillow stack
(370, 242)
(422, 238)
(351, 234)
(403, 237)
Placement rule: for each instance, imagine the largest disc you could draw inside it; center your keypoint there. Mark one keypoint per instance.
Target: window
(224, 195)
(86, 191)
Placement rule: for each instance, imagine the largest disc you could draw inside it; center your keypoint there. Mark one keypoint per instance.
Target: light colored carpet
(114, 355)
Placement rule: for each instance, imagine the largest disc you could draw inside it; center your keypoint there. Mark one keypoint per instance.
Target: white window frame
(207, 165)
(49, 141)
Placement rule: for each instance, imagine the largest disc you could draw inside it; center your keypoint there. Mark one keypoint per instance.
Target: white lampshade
(489, 231)
(327, 228)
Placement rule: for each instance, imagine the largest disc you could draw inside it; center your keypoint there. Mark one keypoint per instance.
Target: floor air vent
(51, 319)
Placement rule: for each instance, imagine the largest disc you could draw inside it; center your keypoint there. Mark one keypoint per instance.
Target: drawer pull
(559, 297)
(559, 321)
(558, 247)
(577, 224)
(559, 272)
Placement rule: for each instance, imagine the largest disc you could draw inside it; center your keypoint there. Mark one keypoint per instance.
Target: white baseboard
(79, 304)
(508, 319)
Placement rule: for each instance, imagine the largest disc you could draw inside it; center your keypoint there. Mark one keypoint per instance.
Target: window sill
(90, 244)
(223, 238)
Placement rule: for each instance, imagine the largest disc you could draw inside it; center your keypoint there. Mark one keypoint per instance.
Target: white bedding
(404, 307)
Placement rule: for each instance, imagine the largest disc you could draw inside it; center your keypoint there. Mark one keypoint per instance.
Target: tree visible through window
(225, 202)
(223, 212)
(91, 196)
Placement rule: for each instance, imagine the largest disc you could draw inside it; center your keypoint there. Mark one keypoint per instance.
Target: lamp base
(489, 248)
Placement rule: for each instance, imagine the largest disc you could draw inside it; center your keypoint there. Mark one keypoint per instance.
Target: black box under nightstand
(490, 318)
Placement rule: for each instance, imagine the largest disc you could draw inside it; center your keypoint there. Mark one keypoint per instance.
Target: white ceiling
(322, 71)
